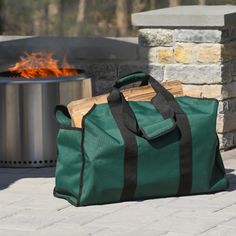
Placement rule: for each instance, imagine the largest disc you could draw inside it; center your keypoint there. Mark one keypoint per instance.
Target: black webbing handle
(132, 78)
(125, 118)
(161, 101)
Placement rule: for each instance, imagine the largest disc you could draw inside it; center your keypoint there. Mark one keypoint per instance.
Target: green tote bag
(139, 150)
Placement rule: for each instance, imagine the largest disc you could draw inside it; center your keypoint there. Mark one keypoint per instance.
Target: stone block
(229, 90)
(194, 74)
(184, 53)
(227, 106)
(198, 36)
(156, 37)
(102, 86)
(101, 71)
(228, 34)
(229, 51)
(232, 33)
(227, 72)
(147, 54)
(187, 16)
(233, 68)
(208, 53)
(226, 122)
(165, 55)
(103, 75)
(155, 70)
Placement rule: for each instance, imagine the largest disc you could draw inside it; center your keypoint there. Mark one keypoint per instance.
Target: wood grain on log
(79, 108)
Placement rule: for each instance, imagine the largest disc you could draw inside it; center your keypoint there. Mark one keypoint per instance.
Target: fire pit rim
(20, 80)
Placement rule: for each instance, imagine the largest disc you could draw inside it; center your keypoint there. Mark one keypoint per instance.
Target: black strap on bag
(166, 104)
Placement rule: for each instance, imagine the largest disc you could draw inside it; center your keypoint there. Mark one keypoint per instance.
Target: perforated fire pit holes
(27, 126)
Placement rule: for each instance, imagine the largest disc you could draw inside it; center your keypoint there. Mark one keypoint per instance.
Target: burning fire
(42, 65)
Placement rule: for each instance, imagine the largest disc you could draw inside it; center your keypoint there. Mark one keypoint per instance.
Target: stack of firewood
(79, 108)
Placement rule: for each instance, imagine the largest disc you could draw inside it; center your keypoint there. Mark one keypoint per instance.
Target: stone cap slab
(187, 16)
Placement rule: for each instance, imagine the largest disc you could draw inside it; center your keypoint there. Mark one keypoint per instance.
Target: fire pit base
(28, 128)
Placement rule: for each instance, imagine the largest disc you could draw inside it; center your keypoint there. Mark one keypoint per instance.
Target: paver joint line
(163, 216)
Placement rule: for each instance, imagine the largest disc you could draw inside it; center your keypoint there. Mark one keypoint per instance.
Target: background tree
(138, 5)
(79, 17)
(80, 14)
(61, 17)
(81, 11)
(122, 17)
(174, 3)
(201, 2)
(153, 4)
(1, 18)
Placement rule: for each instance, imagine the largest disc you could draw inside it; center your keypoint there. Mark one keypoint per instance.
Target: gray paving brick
(32, 186)
(219, 231)
(200, 204)
(133, 216)
(230, 224)
(157, 202)
(7, 211)
(83, 218)
(8, 198)
(183, 225)
(178, 234)
(136, 232)
(230, 211)
(225, 200)
(103, 209)
(229, 155)
(61, 229)
(42, 202)
(29, 220)
(27, 207)
(6, 232)
(212, 218)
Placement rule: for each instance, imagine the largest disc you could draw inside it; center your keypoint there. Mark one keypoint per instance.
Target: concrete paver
(27, 207)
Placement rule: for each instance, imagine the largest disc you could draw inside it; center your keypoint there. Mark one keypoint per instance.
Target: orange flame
(42, 65)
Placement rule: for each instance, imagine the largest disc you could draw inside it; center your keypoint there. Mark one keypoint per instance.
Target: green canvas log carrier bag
(138, 150)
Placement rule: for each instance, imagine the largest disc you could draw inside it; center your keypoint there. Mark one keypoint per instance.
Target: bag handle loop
(162, 101)
(62, 116)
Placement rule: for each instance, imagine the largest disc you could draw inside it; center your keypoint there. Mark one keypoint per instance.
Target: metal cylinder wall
(28, 128)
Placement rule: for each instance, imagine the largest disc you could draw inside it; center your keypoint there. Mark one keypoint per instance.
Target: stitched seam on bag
(164, 129)
(83, 157)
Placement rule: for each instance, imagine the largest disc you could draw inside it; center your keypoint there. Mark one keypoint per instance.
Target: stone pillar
(196, 45)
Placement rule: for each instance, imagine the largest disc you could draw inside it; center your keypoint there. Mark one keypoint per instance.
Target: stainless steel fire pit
(27, 125)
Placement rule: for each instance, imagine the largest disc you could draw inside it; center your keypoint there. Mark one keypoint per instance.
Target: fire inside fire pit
(29, 92)
(41, 65)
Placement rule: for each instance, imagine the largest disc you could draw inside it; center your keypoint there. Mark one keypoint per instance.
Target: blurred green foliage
(77, 17)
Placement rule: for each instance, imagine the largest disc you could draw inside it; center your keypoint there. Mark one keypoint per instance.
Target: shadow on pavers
(232, 180)
(9, 176)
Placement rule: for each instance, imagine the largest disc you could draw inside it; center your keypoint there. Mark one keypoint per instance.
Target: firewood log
(79, 108)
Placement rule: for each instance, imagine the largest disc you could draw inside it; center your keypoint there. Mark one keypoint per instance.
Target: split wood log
(79, 108)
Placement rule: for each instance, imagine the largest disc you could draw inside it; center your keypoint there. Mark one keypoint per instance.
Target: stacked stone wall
(204, 60)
